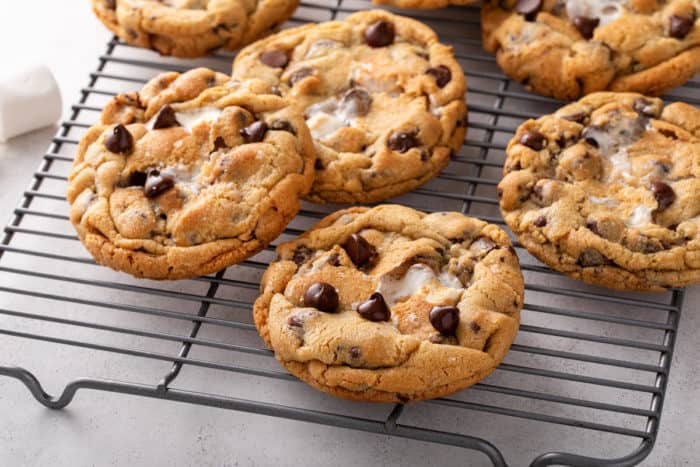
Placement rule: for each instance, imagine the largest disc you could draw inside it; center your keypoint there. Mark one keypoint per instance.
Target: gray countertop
(108, 429)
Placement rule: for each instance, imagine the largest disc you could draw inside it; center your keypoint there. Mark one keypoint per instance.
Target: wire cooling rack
(583, 385)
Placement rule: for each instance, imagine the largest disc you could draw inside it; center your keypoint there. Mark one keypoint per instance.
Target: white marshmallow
(606, 11)
(28, 100)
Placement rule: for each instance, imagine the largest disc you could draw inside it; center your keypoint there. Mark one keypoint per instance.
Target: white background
(106, 429)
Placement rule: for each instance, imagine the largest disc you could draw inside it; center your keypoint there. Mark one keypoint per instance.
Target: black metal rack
(589, 367)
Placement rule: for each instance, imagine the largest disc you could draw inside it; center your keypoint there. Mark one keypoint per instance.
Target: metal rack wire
(588, 363)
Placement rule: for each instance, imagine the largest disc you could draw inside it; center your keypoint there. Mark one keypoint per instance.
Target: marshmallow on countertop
(28, 100)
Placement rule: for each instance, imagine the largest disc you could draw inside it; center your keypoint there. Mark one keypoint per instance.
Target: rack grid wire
(588, 364)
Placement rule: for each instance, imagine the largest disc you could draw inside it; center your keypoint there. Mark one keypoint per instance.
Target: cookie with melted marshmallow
(384, 100)
(567, 49)
(605, 191)
(392, 305)
(191, 174)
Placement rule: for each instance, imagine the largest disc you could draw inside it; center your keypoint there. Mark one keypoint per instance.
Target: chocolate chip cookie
(422, 4)
(606, 191)
(192, 28)
(567, 49)
(192, 174)
(392, 305)
(383, 98)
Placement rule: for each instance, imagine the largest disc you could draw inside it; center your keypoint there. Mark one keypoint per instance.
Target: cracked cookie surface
(191, 174)
(606, 191)
(567, 49)
(423, 4)
(192, 28)
(392, 305)
(383, 98)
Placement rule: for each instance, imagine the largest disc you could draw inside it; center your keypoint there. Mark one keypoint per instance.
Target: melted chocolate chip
(591, 257)
(355, 352)
(120, 141)
(442, 75)
(165, 119)
(322, 296)
(587, 135)
(402, 142)
(276, 91)
(578, 117)
(301, 255)
(644, 107)
(680, 26)
(295, 321)
(112, 4)
(445, 319)
(357, 101)
(318, 164)
(586, 25)
(664, 194)
(474, 326)
(300, 74)
(255, 132)
(533, 140)
(528, 8)
(360, 251)
(283, 125)
(541, 221)
(157, 183)
(274, 58)
(668, 133)
(219, 143)
(374, 309)
(137, 179)
(380, 34)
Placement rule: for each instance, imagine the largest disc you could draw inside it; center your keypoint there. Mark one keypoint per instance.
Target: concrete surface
(108, 429)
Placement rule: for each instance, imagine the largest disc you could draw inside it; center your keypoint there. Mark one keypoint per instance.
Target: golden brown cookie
(567, 49)
(192, 28)
(383, 98)
(191, 174)
(392, 305)
(422, 4)
(606, 191)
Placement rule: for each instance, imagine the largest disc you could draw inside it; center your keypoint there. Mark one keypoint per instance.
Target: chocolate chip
(301, 255)
(644, 107)
(255, 132)
(541, 221)
(295, 321)
(322, 296)
(586, 25)
(668, 133)
(282, 125)
(445, 319)
(360, 251)
(165, 119)
(402, 142)
(587, 135)
(374, 309)
(528, 8)
(137, 179)
(474, 326)
(219, 143)
(357, 101)
(112, 4)
(274, 58)
(578, 117)
(355, 352)
(334, 260)
(664, 194)
(591, 257)
(318, 164)
(533, 140)
(120, 141)
(442, 75)
(300, 74)
(276, 91)
(157, 183)
(680, 26)
(380, 34)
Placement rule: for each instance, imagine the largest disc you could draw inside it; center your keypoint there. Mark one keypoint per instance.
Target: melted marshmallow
(185, 177)
(606, 11)
(329, 116)
(609, 202)
(191, 118)
(417, 276)
(640, 217)
(621, 166)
